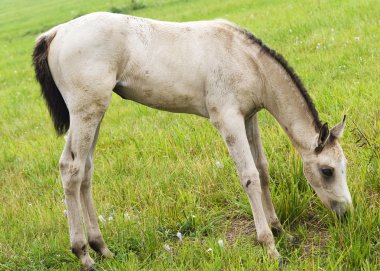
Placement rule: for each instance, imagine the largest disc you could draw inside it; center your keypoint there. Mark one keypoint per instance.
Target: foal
(213, 69)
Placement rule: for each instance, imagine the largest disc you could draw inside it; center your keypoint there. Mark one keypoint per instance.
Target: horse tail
(49, 90)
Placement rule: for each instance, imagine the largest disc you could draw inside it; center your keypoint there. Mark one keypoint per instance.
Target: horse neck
(289, 107)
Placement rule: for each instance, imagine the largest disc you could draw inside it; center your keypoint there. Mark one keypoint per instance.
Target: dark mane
(297, 81)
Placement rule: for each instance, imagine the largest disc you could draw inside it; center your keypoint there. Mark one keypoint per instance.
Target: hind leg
(94, 236)
(85, 116)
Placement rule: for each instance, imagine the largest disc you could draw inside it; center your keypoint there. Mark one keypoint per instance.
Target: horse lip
(339, 208)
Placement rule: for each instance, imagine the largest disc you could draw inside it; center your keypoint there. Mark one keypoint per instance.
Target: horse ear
(324, 134)
(337, 131)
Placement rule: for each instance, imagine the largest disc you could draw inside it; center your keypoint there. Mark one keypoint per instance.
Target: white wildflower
(110, 218)
(218, 164)
(179, 235)
(127, 216)
(357, 38)
(220, 243)
(209, 249)
(102, 219)
(168, 248)
(318, 46)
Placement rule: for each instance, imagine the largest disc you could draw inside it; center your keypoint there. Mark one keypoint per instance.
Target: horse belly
(169, 97)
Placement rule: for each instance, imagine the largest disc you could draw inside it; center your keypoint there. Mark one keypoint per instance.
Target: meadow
(158, 173)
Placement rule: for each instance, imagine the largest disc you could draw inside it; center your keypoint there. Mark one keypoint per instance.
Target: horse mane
(290, 71)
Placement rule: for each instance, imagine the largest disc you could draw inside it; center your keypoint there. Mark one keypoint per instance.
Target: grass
(161, 169)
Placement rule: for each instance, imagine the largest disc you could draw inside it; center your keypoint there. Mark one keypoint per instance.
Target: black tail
(53, 98)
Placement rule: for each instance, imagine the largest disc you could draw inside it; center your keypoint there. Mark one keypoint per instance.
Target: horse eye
(327, 172)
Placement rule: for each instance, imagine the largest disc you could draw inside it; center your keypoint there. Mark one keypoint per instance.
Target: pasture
(158, 173)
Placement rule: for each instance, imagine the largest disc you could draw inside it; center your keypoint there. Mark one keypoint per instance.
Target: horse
(214, 69)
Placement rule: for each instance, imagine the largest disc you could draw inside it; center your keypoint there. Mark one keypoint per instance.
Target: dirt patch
(317, 234)
(240, 226)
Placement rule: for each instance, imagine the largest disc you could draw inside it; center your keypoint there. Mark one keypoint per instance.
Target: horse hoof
(280, 264)
(88, 263)
(107, 254)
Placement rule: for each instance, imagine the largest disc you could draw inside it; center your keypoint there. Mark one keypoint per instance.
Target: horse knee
(88, 167)
(251, 183)
(263, 168)
(263, 165)
(72, 175)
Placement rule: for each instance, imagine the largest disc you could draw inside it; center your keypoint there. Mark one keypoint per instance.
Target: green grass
(161, 167)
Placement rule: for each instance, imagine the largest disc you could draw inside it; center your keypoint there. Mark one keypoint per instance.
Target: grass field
(172, 172)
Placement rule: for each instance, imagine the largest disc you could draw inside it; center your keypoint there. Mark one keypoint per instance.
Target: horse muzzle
(341, 208)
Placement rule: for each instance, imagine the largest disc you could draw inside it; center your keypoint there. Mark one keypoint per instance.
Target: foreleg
(231, 126)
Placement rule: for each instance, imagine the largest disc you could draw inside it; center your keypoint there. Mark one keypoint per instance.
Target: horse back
(165, 65)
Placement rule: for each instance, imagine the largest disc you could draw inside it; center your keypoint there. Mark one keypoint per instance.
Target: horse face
(325, 170)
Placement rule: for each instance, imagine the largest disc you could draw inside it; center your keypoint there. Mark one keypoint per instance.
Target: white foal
(212, 69)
